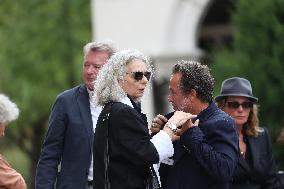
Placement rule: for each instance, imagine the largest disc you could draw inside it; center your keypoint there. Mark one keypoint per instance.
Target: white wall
(158, 28)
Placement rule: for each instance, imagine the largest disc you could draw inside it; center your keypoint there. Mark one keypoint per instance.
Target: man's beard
(185, 106)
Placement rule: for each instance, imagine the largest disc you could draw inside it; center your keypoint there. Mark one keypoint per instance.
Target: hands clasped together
(175, 126)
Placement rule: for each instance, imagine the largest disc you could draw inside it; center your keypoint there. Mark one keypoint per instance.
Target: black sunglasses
(139, 75)
(235, 105)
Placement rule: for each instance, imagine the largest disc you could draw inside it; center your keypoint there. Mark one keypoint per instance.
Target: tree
(40, 55)
(257, 55)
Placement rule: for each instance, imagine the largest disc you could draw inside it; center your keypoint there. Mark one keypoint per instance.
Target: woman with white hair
(9, 178)
(124, 152)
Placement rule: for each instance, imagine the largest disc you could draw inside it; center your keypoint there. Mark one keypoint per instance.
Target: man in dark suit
(206, 155)
(66, 160)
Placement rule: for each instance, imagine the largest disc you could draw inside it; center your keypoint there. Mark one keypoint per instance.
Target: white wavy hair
(8, 109)
(106, 85)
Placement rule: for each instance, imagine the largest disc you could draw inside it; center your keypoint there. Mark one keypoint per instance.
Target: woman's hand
(180, 117)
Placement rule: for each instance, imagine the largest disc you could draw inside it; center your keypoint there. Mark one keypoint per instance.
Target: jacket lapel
(253, 147)
(84, 106)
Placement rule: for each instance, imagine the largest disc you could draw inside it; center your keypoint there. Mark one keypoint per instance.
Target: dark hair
(195, 76)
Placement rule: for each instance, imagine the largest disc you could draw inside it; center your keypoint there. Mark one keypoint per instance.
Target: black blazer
(258, 171)
(131, 152)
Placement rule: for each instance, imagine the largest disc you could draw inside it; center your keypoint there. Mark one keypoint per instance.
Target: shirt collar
(126, 100)
(92, 95)
(207, 112)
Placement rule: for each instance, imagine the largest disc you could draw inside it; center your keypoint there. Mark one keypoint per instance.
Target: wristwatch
(172, 126)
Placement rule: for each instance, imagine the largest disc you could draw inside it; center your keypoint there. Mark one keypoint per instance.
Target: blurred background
(41, 55)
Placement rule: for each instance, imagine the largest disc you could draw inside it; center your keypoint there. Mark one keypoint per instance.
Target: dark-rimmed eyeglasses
(235, 105)
(139, 75)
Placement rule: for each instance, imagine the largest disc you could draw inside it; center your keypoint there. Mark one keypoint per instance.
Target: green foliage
(40, 56)
(258, 55)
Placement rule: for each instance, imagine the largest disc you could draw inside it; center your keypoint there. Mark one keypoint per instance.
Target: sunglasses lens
(147, 75)
(235, 105)
(139, 75)
(247, 105)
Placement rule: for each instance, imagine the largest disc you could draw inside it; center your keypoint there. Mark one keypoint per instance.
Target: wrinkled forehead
(96, 56)
(175, 81)
(136, 65)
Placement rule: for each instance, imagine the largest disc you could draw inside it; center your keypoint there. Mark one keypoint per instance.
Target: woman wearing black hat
(256, 167)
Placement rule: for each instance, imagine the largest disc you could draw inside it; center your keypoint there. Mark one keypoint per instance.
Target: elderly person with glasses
(9, 177)
(124, 152)
(256, 165)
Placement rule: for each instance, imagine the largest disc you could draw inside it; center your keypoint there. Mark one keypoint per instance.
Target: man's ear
(192, 94)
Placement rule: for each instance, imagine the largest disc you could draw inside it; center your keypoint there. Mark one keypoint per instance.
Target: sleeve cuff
(163, 145)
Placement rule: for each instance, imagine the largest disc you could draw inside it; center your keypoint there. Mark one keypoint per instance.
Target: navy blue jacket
(205, 156)
(66, 152)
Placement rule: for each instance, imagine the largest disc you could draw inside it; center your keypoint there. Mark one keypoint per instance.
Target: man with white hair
(9, 178)
(66, 160)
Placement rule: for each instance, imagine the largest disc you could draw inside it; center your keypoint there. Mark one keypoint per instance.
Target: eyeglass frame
(245, 105)
(139, 77)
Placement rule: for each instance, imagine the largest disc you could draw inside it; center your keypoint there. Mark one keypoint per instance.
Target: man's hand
(180, 117)
(157, 123)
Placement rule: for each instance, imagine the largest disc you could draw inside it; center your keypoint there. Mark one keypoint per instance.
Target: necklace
(242, 145)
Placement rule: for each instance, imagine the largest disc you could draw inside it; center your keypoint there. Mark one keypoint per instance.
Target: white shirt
(95, 112)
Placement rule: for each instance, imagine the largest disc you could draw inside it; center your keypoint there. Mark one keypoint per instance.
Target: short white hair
(100, 46)
(8, 109)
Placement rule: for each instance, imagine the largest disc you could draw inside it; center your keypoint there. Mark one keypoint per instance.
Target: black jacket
(258, 170)
(131, 152)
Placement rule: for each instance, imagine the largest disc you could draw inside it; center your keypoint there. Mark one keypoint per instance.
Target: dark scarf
(137, 107)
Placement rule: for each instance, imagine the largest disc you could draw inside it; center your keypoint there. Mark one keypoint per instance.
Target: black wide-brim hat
(236, 86)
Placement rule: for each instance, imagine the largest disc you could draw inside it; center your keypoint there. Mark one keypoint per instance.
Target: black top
(131, 152)
(257, 169)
